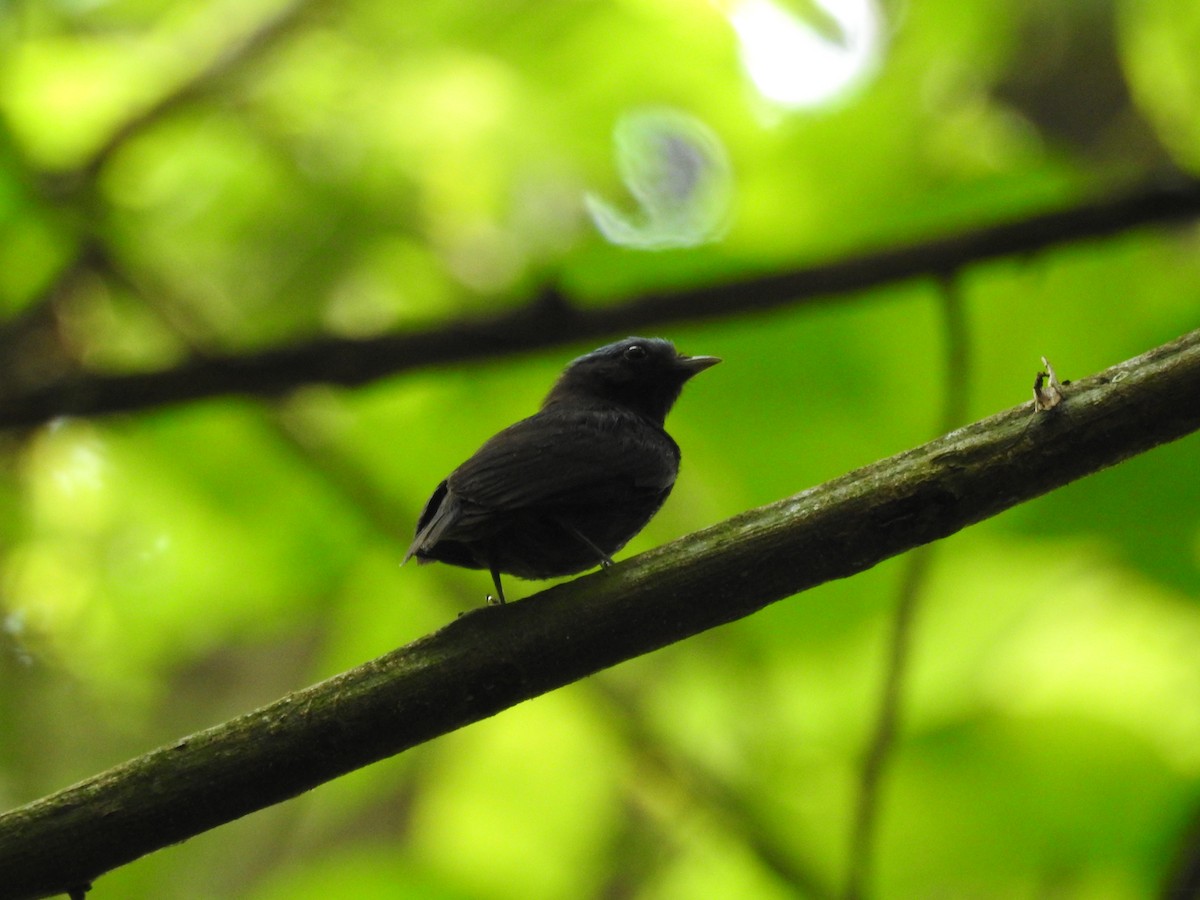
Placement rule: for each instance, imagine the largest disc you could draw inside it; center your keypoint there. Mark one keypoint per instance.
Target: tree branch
(495, 657)
(551, 320)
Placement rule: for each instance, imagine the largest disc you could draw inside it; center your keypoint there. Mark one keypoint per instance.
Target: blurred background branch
(553, 320)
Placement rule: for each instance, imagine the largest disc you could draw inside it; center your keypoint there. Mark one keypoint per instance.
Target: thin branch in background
(552, 321)
(908, 596)
(725, 801)
(637, 850)
(92, 253)
(32, 351)
(240, 53)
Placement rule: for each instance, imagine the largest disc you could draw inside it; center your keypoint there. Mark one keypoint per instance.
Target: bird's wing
(567, 458)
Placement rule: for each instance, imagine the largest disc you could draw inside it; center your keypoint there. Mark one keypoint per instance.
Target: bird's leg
(604, 558)
(498, 600)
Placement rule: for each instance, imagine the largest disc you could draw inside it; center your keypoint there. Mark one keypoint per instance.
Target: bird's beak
(693, 365)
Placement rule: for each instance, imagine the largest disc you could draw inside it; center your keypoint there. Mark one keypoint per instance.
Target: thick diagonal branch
(552, 320)
(496, 657)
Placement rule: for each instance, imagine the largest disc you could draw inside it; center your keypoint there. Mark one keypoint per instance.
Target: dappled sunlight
(67, 473)
(92, 84)
(98, 79)
(1075, 635)
(499, 796)
(1158, 57)
(1111, 645)
(801, 62)
(57, 581)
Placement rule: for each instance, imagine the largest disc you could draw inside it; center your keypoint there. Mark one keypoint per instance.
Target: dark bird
(565, 489)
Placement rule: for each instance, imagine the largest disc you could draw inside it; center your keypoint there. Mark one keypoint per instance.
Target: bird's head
(644, 375)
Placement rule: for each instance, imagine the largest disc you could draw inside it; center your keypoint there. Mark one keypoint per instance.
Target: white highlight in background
(793, 64)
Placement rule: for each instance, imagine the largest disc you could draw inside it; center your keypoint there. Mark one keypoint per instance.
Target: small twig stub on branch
(1047, 389)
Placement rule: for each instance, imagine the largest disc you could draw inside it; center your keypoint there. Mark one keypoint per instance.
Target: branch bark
(495, 657)
(551, 320)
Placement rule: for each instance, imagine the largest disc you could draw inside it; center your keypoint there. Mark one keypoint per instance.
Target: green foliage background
(191, 178)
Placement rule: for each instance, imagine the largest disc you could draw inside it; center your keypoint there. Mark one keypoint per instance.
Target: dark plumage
(565, 489)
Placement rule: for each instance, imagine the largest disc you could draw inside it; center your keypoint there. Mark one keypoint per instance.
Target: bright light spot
(677, 170)
(67, 473)
(154, 548)
(13, 627)
(802, 64)
(14, 624)
(82, 470)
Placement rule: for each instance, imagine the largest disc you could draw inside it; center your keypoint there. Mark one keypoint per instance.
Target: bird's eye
(635, 351)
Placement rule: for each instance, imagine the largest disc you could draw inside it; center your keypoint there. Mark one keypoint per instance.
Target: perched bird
(565, 489)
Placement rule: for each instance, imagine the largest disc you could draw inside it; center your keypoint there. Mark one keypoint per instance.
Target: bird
(565, 489)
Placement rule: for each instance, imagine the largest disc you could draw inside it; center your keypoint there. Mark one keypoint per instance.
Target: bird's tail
(441, 512)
